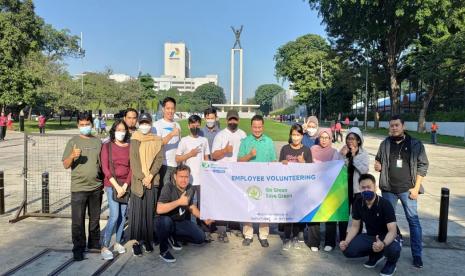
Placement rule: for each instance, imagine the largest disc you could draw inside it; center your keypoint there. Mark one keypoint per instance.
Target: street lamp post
(321, 89)
(366, 97)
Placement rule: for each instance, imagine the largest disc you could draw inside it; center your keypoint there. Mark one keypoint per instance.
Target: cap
(145, 117)
(232, 114)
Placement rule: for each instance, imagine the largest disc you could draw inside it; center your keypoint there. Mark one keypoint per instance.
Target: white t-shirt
(186, 145)
(162, 128)
(234, 139)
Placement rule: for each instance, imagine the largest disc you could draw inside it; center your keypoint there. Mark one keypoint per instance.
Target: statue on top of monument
(237, 33)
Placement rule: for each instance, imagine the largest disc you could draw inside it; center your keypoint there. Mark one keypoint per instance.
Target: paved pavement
(49, 239)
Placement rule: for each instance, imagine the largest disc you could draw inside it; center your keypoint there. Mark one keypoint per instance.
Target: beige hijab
(150, 146)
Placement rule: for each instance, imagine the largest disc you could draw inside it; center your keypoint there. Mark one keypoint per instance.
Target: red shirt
(42, 121)
(120, 156)
(338, 126)
(3, 120)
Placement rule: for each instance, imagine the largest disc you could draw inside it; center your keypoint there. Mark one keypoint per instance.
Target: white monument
(245, 110)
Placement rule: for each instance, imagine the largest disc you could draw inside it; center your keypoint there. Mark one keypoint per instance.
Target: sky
(121, 34)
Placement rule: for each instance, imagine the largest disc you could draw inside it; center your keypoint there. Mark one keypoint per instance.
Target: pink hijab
(320, 154)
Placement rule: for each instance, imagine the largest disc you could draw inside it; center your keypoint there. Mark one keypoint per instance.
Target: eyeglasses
(324, 138)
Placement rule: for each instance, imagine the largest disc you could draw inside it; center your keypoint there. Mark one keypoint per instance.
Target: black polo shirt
(400, 178)
(170, 193)
(375, 218)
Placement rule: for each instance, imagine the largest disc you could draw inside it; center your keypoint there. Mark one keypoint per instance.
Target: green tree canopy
(303, 62)
(264, 94)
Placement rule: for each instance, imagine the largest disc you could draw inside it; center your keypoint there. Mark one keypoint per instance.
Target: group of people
(152, 174)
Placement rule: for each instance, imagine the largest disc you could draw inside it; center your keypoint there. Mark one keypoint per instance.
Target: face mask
(119, 135)
(296, 139)
(312, 131)
(194, 131)
(145, 129)
(86, 130)
(232, 126)
(368, 195)
(397, 138)
(211, 123)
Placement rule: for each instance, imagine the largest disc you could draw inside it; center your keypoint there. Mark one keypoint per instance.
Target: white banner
(273, 192)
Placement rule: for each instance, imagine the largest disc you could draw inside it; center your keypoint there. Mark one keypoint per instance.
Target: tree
(210, 93)
(264, 94)
(302, 62)
(437, 56)
(19, 35)
(387, 27)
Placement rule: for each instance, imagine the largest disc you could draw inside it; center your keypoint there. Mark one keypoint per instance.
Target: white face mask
(145, 129)
(210, 123)
(119, 135)
(312, 131)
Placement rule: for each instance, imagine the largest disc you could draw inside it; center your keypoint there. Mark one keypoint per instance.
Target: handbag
(124, 199)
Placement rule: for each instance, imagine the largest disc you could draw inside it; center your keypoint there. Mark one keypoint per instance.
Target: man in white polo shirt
(170, 132)
(225, 149)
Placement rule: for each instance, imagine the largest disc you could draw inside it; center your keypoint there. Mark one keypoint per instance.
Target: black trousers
(291, 230)
(314, 234)
(2, 132)
(362, 245)
(80, 201)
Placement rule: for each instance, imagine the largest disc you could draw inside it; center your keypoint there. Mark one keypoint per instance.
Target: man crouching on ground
(381, 240)
(173, 209)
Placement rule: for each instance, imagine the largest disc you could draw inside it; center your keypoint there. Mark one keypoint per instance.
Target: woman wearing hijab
(323, 152)
(310, 137)
(357, 161)
(146, 159)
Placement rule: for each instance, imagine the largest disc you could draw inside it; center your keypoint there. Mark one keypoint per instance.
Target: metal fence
(47, 185)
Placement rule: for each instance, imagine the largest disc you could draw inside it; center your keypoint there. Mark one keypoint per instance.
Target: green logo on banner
(205, 165)
(254, 192)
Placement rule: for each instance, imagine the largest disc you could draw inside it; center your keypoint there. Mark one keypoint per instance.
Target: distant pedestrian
(42, 120)
(3, 123)
(9, 123)
(338, 129)
(434, 133)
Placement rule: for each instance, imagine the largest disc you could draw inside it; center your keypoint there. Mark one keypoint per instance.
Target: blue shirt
(309, 141)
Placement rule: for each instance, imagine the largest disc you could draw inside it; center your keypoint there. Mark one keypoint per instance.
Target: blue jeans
(434, 137)
(362, 246)
(185, 230)
(116, 220)
(410, 209)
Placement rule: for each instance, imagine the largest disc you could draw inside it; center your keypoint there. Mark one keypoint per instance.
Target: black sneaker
(373, 261)
(223, 237)
(247, 242)
(388, 269)
(167, 257)
(208, 237)
(148, 247)
(264, 243)
(174, 244)
(78, 256)
(137, 250)
(417, 262)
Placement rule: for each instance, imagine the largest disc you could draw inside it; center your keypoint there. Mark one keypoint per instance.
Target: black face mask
(194, 131)
(397, 138)
(232, 126)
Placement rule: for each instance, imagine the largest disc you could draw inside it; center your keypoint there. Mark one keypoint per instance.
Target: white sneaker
(328, 248)
(106, 254)
(119, 248)
(314, 249)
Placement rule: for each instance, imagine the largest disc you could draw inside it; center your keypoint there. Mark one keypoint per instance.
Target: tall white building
(177, 60)
(177, 70)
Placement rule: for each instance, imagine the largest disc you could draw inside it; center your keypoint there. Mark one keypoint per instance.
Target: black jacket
(418, 161)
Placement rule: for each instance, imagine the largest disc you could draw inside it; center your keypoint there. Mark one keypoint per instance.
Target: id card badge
(399, 163)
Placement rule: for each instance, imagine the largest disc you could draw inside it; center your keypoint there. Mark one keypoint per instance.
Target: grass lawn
(276, 130)
(424, 137)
